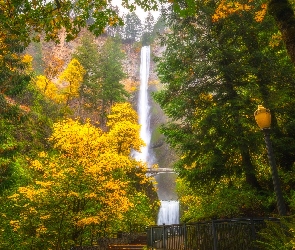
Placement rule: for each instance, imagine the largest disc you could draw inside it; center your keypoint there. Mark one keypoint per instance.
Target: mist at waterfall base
(169, 209)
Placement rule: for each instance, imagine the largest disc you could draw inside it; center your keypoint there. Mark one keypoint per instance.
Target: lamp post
(263, 119)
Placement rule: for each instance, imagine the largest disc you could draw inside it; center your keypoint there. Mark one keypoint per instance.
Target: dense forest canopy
(67, 133)
(68, 128)
(26, 18)
(214, 74)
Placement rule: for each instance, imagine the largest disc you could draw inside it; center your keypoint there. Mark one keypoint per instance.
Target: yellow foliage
(226, 8)
(93, 167)
(15, 225)
(71, 79)
(276, 39)
(48, 88)
(27, 60)
(259, 15)
(122, 112)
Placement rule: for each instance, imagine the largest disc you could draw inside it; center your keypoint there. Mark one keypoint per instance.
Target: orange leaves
(276, 39)
(226, 8)
(130, 85)
(259, 15)
(53, 65)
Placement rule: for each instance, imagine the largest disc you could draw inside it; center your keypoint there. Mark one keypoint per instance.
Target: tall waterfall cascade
(169, 210)
(143, 107)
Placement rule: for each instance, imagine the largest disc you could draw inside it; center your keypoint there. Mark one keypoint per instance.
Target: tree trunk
(283, 13)
(249, 168)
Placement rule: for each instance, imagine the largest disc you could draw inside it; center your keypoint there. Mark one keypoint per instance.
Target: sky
(139, 11)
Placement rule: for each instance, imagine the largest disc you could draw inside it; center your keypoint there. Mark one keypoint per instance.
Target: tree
(132, 28)
(110, 72)
(214, 75)
(13, 66)
(88, 55)
(102, 86)
(71, 79)
(115, 30)
(22, 18)
(281, 10)
(148, 29)
(89, 181)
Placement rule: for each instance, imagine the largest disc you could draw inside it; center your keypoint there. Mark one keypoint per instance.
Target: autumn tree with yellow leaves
(89, 181)
(71, 79)
(66, 87)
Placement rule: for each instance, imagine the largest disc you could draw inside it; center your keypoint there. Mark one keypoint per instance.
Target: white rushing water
(169, 210)
(143, 107)
(169, 213)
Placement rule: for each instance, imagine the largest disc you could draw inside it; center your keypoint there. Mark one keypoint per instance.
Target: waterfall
(143, 107)
(169, 210)
(169, 213)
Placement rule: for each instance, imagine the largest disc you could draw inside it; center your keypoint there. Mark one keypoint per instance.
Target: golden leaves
(226, 8)
(259, 15)
(68, 84)
(89, 179)
(71, 79)
(122, 112)
(275, 40)
(46, 86)
(15, 225)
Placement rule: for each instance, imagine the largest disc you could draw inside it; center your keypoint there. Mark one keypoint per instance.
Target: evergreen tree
(88, 55)
(211, 88)
(148, 29)
(133, 28)
(110, 71)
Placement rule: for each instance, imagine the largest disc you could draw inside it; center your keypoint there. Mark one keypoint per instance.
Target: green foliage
(88, 55)
(214, 76)
(277, 235)
(110, 71)
(13, 75)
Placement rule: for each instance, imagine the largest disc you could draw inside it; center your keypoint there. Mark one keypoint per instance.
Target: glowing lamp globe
(262, 117)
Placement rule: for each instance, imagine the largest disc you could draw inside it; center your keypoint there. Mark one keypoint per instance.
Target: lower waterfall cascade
(169, 213)
(169, 209)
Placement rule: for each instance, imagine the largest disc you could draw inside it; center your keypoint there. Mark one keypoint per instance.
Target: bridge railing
(216, 234)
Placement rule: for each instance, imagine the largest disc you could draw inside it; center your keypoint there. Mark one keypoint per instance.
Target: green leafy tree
(214, 79)
(102, 86)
